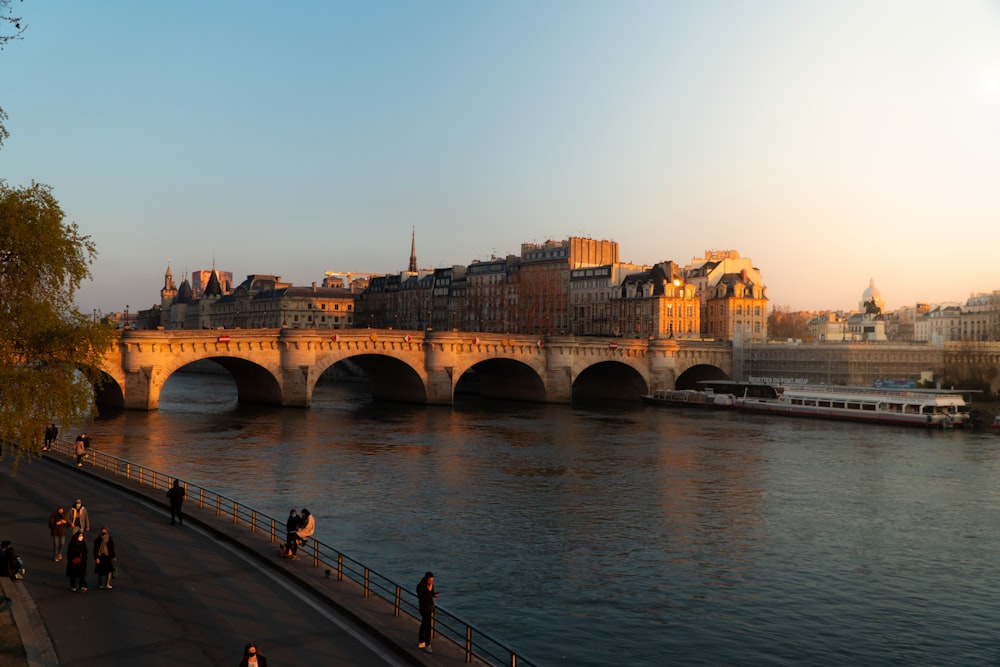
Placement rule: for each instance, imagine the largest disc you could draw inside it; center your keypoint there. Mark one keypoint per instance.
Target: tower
(413, 251)
(169, 291)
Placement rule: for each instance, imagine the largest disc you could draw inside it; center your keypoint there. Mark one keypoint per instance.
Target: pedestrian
(58, 523)
(251, 658)
(307, 526)
(176, 495)
(79, 518)
(76, 563)
(51, 433)
(10, 565)
(80, 449)
(104, 558)
(425, 600)
(291, 525)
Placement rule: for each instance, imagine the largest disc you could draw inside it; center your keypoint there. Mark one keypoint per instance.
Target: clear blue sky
(831, 142)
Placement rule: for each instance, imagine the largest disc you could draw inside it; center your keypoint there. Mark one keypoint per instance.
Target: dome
(872, 294)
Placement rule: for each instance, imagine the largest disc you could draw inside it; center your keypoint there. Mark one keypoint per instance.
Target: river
(623, 535)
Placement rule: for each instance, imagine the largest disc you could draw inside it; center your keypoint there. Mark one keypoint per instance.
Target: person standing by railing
(291, 525)
(80, 449)
(176, 495)
(425, 599)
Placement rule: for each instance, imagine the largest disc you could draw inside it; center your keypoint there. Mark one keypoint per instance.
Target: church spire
(413, 250)
(168, 278)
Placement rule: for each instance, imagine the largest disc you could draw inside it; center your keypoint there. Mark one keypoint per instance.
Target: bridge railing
(476, 644)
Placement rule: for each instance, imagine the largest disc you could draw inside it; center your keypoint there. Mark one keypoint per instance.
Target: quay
(185, 595)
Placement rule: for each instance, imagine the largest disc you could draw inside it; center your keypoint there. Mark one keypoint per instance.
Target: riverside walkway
(191, 595)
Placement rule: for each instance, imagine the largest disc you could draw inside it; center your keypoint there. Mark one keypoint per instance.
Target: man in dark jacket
(176, 495)
(425, 598)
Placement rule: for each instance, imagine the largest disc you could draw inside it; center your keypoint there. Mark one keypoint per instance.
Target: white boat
(914, 407)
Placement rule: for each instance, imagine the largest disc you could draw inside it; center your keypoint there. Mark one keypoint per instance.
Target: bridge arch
(610, 381)
(507, 379)
(110, 393)
(690, 378)
(391, 378)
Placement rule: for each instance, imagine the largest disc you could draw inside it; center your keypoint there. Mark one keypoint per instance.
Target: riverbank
(190, 610)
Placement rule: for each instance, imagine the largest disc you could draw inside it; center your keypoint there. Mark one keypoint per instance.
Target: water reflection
(621, 535)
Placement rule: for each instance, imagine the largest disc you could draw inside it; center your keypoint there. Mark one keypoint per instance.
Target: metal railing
(476, 644)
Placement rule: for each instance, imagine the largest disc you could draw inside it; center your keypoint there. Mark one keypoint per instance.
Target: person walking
(104, 558)
(80, 449)
(58, 523)
(76, 563)
(307, 526)
(51, 433)
(425, 600)
(176, 495)
(291, 525)
(79, 518)
(251, 658)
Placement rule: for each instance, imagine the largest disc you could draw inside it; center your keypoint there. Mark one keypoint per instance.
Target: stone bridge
(282, 366)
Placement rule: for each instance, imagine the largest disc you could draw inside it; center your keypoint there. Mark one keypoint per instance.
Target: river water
(624, 535)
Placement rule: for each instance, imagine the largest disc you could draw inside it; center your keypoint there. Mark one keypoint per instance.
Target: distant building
(732, 294)
(260, 301)
(939, 325)
(657, 303)
(980, 320)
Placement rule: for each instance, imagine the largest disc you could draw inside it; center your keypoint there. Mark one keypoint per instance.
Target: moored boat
(913, 407)
(689, 398)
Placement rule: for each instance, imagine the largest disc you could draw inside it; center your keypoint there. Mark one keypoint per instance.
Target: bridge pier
(138, 391)
(559, 360)
(295, 384)
(663, 363)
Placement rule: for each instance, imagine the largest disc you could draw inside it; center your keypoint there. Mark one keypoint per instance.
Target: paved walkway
(191, 595)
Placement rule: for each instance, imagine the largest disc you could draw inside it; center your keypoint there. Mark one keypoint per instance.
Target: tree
(49, 351)
(10, 29)
(783, 324)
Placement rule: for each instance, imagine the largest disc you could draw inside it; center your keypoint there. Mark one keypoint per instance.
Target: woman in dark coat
(76, 563)
(104, 558)
(251, 658)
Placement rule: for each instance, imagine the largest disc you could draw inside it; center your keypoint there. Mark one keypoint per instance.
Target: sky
(832, 143)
